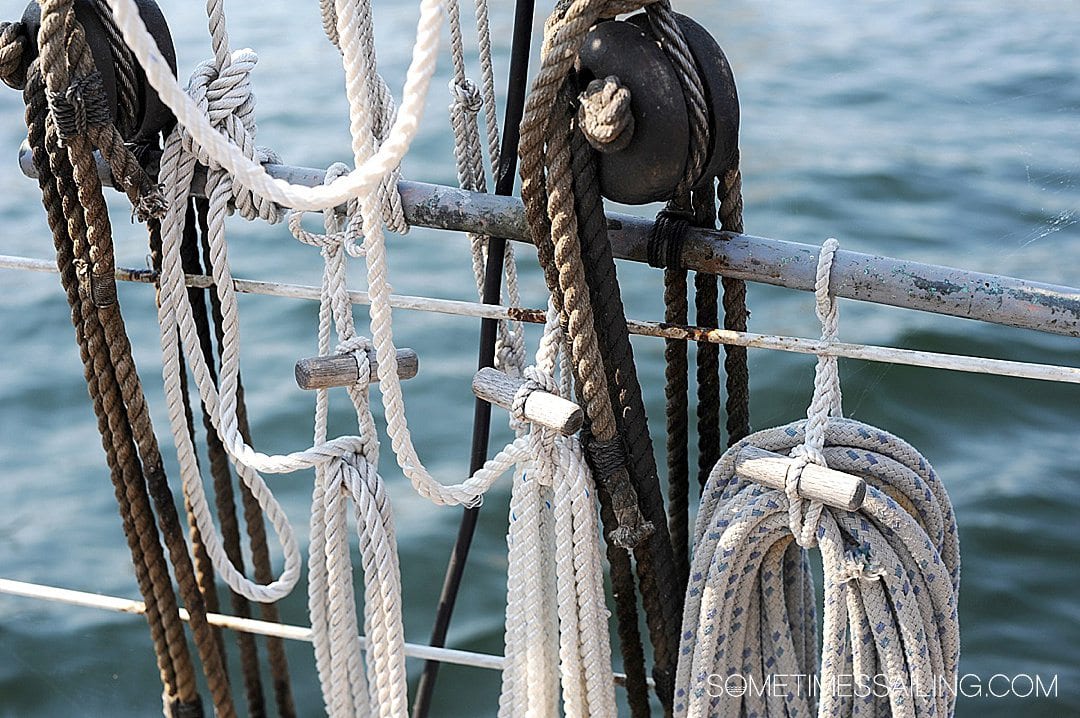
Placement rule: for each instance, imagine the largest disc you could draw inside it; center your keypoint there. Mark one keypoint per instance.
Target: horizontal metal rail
(864, 277)
(236, 623)
(797, 345)
(247, 625)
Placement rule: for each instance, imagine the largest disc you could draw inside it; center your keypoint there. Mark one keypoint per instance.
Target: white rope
(345, 466)
(892, 572)
(556, 617)
(250, 174)
(803, 516)
(466, 103)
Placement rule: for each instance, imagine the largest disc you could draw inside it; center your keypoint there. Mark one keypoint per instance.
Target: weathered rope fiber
(151, 569)
(64, 77)
(562, 209)
(729, 193)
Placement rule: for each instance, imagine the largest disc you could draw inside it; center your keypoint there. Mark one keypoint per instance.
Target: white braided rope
(892, 572)
(891, 581)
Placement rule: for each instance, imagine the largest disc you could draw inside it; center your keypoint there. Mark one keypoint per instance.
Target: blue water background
(938, 132)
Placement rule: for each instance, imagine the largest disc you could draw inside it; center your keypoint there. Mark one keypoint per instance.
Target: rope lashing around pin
(892, 572)
(360, 349)
(535, 380)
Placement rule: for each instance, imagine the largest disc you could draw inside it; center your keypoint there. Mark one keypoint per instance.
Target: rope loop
(14, 54)
(604, 115)
(804, 516)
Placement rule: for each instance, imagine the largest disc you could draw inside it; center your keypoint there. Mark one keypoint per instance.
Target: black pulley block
(151, 114)
(655, 160)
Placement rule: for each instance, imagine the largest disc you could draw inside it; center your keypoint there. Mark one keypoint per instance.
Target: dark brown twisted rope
(706, 300)
(62, 46)
(660, 591)
(151, 570)
(735, 313)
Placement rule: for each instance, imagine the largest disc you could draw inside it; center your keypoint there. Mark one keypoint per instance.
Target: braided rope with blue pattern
(892, 571)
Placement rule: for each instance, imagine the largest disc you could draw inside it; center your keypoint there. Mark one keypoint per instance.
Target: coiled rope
(891, 575)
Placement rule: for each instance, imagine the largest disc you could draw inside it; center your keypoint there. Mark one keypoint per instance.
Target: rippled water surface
(938, 132)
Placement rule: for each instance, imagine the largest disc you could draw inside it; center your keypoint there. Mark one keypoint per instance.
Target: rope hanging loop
(658, 103)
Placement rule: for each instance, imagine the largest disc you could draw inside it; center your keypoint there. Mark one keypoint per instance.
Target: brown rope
(77, 116)
(706, 302)
(735, 313)
(151, 570)
(665, 251)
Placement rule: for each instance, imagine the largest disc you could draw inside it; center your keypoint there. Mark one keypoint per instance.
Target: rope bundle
(891, 636)
(556, 617)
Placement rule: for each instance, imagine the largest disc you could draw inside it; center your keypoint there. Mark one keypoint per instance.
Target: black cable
(492, 291)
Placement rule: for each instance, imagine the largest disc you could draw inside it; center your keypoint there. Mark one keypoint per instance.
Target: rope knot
(84, 104)
(466, 95)
(604, 115)
(360, 348)
(14, 54)
(224, 94)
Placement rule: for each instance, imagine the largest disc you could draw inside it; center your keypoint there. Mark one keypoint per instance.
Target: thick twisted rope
(729, 191)
(151, 570)
(78, 117)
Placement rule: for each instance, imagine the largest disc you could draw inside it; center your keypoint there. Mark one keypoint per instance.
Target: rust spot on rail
(529, 316)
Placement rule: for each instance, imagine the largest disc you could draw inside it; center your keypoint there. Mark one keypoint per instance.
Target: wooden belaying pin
(818, 483)
(344, 370)
(540, 407)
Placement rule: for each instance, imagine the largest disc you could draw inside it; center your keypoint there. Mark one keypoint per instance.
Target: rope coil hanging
(891, 573)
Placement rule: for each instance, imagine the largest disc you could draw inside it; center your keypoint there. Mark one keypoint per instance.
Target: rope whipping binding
(891, 572)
